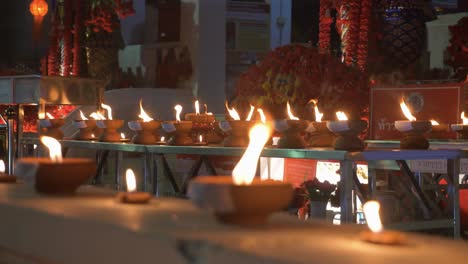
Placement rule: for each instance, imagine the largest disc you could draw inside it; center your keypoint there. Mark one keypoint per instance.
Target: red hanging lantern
(38, 8)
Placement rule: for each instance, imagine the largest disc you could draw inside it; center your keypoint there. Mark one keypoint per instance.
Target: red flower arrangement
(458, 48)
(296, 73)
(102, 12)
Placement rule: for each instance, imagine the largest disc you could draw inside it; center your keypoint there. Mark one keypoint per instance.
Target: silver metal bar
(453, 171)
(11, 145)
(346, 191)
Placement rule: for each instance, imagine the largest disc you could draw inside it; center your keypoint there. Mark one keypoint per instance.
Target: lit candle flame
(178, 109)
(291, 116)
(2, 166)
(97, 116)
(82, 116)
(93, 136)
(341, 116)
(109, 111)
(371, 211)
(55, 149)
(406, 111)
(434, 123)
(244, 172)
(318, 115)
(249, 116)
(130, 179)
(122, 135)
(49, 115)
(464, 119)
(163, 139)
(197, 107)
(200, 138)
(232, 112)
(143, 115)
(262, 115)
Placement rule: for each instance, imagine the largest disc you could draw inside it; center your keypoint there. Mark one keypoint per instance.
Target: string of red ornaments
(352, 25)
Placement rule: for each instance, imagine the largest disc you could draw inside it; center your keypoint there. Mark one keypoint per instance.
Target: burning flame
(262, 115)
(371, 211)
(244, 172)
(200, 138)
(232, 112)
(434, 123)
(2, 166)
(143, 114)
(55, 149)
(318, 115)
(291, 116)
(162, 139)
(464, 119)
(130, 179)
(341, 116)
(197, 107)
(109, 110)
(49, 115)
(249, 116)
(82, 116)
(178, 109)
(93, 136)
(406, 111)
(97, 116)
(122, 135)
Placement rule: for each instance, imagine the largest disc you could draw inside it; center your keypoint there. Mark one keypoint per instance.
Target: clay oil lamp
(200, 141)
(438, 131)
(461, 129)
(347, 132)
(319, 135)
(162, 141)
(182, 130)
(291, 131)
(132, 196)
(5, 178)
(50, 126)
(203, 123)
(146, 129)
(237, 129)
(242, 199)
(85, 128)
(413, 131)
(109, 126)
(55, 175)
(97, 131)
(376, 234)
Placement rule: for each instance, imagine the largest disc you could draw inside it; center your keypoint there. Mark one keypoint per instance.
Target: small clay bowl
(347, 132)
(86, 129)
(244, 205)
(413, 132)
(110, 133)
(59, 178)
(51, 127)
(145, 132)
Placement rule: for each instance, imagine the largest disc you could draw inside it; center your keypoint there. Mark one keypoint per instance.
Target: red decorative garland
(353, 35)
(366, 6)
(458, 48)
(77, 37)
(53, 53)
(325, 25)
(67, 38)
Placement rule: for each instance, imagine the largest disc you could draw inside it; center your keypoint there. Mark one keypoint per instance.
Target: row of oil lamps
(199, 129)
(240, 199)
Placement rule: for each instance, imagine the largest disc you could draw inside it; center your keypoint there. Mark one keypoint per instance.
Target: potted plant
(318, 195)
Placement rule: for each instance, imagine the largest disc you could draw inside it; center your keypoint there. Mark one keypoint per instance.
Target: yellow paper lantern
(38, 8)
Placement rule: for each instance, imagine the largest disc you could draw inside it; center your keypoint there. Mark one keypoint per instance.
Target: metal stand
(10, 114)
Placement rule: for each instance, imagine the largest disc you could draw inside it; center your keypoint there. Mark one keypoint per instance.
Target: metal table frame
(348, 161)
